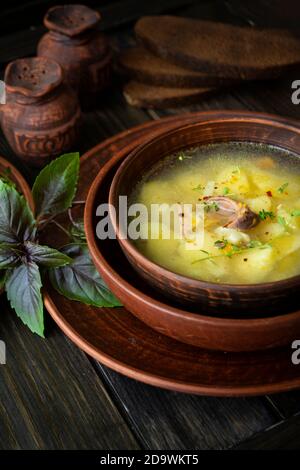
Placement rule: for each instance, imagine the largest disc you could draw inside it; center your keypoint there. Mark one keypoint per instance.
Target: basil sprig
(24, 262)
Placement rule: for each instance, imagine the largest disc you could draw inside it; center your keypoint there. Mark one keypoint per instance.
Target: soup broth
(261, 181)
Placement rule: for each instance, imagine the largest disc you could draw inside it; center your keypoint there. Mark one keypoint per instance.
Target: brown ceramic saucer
(120, 341)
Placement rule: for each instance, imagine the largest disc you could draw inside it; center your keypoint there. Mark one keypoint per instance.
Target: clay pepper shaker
(74, 41)
(41, 116)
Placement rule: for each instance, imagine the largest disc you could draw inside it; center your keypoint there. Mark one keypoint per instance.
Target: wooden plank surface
(283, 436)
(51, 397)
(168, 420)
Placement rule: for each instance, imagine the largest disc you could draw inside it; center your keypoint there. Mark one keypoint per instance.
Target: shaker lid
(33, 76)
(71, 20)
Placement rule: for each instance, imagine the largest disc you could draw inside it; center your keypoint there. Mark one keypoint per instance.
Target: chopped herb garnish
(211, 206)
(215, 206)
(182, 157)
(258, 244)
(198, 188)
(6, 177)
(253, 244)
(281, 220)
(295, 213)
(263, 215)
(206, 252)
(236, 250)
(221, 244)
(225, 191)
(283, 187)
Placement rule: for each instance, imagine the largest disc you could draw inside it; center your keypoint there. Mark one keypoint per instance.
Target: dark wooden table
(52, 396)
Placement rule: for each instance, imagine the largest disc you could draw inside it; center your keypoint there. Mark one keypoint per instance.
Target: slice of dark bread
(148, 96)
(140, 64)
(220, 49)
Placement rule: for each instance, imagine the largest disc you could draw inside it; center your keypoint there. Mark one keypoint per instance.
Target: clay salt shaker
(74, 41)
(41, 116)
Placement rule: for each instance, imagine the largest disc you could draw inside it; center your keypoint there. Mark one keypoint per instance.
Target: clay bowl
(151, 307)
(220, 299)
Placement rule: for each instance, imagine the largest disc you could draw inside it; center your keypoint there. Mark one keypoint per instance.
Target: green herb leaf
(81, 281)
(16, 219)
(295, 213)
(198, 188)
(263, 215)
(182, 156)
(77, 231)
(283, 187)
(221, 244)
(253, 244)
(5, 177)
(235, 250)
(208, 206)
(23, 288)
(55, 186)
(9, 256)
(226, 191)
(45, 256)
(281, 220)
(3, 277)
(258, 244)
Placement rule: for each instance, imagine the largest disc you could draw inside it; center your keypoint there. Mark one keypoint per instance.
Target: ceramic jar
(74, 41)
(41, 116)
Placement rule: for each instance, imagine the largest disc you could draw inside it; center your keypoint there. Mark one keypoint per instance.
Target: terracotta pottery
(122, 342)
(41, 116)
(219, 299)
(75, 42)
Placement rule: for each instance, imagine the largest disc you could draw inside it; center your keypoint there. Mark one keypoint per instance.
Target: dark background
(17, 15)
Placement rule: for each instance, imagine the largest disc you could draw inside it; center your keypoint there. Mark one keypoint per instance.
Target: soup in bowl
(214, 214)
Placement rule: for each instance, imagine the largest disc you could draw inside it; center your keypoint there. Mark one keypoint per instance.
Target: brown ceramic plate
(119, 340)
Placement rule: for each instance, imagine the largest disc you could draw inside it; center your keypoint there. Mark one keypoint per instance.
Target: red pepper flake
(269, 193)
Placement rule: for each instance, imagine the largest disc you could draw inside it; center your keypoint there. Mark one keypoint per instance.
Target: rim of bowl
(143, 260)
